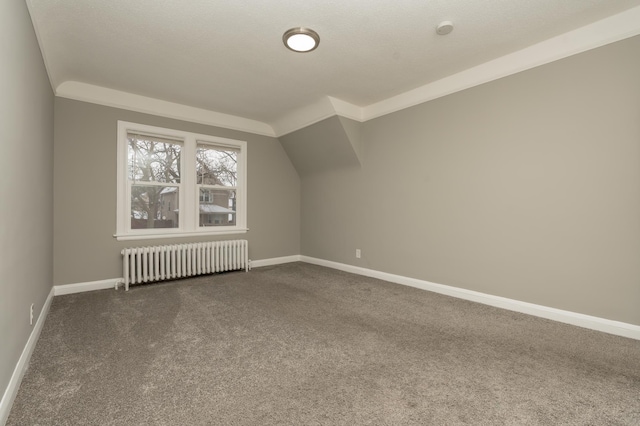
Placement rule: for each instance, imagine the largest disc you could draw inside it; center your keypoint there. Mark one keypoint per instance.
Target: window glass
(153, 159)
(173, 183)
(216, 165)
(217, 207)
(154, 206)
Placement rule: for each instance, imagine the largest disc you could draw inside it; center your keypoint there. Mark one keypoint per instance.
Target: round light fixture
(301, 39)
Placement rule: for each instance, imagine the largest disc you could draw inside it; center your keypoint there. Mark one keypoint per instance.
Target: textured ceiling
(228, 56)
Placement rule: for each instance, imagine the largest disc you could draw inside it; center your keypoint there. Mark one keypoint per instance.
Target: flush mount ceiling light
(301, 39)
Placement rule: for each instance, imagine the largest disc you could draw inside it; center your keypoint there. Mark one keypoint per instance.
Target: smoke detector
(444, 28)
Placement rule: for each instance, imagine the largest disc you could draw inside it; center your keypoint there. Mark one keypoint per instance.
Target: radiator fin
(148, 264)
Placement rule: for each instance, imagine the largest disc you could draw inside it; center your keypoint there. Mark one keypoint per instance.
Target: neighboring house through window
(175, 183)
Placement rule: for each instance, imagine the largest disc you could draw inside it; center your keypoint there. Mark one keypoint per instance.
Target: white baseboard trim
(111, 283)
(274, 261)
(60, 290)
(88, 286)
(23, 362)
(581, 320)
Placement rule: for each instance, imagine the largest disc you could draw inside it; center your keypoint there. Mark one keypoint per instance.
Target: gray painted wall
(26, 190)
(323, 146)
(527, 187)
(85, 188)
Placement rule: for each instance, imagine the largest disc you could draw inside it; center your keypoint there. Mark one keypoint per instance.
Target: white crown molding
(608, 30)
(345, 109)
(23, 362)
(118, 99)
(305, 116)
(581, 320)
(614, 28)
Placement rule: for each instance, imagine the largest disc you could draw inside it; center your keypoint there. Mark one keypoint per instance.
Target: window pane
(153, 159)
(216, 166)
(217, 207)
(154, 206)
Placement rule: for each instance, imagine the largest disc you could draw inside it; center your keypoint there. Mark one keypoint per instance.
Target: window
(217, 180)
(174, 183)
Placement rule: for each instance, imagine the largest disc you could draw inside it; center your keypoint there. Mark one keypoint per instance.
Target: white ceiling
(228, 56)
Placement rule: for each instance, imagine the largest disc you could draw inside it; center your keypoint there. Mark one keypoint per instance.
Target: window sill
(131, 237)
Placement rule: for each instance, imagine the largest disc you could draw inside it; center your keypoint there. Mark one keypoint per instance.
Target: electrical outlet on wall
(358, 254)
(31, 315)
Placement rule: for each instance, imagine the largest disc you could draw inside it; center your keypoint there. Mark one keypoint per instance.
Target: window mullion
(188, 180)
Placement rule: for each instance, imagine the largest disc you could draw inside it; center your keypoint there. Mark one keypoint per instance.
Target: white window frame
(189, 200)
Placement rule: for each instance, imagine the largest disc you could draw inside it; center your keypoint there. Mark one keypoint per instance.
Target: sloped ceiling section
(330, 144)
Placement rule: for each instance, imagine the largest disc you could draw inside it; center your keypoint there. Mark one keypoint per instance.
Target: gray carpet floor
(299, 344)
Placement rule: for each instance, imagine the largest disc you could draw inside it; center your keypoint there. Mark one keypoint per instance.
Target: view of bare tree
(152, 161)
(155, 162)
(216, 166)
